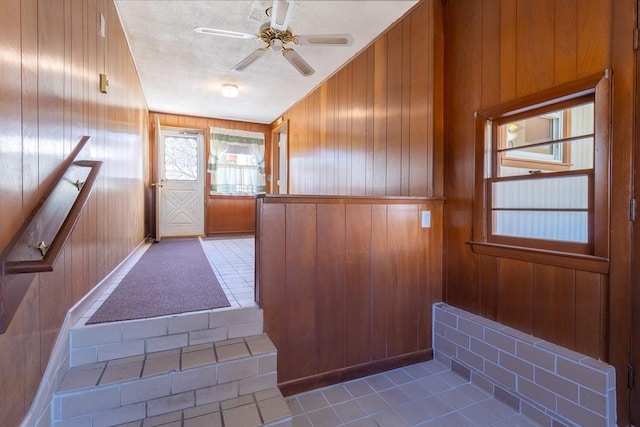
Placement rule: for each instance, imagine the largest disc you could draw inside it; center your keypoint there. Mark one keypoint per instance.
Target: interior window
(545, 175)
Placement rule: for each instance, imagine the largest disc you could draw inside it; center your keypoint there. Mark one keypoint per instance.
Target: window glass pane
(563, 192)
(531, 140)
(181, 158)
(572, 155)
(554, 225)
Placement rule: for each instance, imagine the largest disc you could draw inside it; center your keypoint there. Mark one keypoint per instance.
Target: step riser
(161, 394)
(109, 341)
(119, 404)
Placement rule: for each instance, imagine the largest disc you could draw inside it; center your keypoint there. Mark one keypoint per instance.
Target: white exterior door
(181, 169)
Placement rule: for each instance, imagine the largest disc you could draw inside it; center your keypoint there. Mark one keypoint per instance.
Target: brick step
(263, 408)
(115, 340)
(138, 387)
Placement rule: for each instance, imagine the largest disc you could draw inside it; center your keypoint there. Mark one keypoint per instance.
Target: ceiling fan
(277, 36)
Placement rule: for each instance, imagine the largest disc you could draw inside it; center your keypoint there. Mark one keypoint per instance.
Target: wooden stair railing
(38, 243)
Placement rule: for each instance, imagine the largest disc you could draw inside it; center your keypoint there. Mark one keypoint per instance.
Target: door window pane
(181, 158)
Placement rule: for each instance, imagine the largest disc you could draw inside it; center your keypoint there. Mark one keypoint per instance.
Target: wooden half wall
(347, 284)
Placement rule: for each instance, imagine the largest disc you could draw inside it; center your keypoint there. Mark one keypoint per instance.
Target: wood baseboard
(352, 372)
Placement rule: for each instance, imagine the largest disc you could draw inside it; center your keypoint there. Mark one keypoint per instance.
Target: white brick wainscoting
(548, 383)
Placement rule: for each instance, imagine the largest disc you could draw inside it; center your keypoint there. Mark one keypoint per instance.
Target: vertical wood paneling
(358, 294)
(541, 43)
(402, 286)
(464, 32)
(420, 140)
(566, 40)
(488, 287)
(554, 304)
(405, 113)
(359, 141)
(330, 286)
(51, 56)
(508, 48)
(393, 172)
(491, 57)
(515, 285)
(535, 29)
(349, 288)
(379, 273)
(300, 284)
(10, 114)
(270, 298)
(593, 50)
(378, 116)
(588, 297)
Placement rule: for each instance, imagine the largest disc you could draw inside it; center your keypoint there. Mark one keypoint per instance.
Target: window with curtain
(236, 162)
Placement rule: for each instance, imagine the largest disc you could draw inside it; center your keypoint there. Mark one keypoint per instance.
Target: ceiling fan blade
(281, 14)
(253, 57)
(224, 33)
(297, 62)
(324, 40)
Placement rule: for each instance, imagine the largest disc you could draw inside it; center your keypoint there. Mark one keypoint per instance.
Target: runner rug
(172, 276)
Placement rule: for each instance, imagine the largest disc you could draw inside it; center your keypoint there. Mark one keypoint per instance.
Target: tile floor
(424, 394)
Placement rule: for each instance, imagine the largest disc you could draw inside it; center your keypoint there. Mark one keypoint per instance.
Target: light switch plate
(426, 219)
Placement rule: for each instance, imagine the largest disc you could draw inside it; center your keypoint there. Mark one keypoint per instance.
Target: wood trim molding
(540, 256)
(300, 385)
(268, 198)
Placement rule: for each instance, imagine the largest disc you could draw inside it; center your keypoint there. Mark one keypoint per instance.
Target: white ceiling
(182, 71)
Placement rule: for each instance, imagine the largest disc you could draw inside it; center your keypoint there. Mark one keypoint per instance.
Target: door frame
(155, 167)
(634, 293)
(275, 157)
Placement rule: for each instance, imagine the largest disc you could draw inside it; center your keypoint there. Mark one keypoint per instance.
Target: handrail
(41, 239)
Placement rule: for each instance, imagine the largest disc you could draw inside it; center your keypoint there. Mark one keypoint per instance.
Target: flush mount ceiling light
(229, 90)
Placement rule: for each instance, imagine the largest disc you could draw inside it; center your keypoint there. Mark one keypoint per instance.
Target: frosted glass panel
(566, 226)
(571, 192)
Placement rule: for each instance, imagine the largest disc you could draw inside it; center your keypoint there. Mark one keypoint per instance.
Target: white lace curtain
(236, 162)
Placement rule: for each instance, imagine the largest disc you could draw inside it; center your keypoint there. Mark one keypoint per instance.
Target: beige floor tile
(312, 401)
(233, 351)
(350, 411)
(82, 376)
(391, 418)
(337, 394)
(116, 372)
(242, 416)
(196, 358)
(325, 417)
(208, 420)
(273, 409)
(158, 364)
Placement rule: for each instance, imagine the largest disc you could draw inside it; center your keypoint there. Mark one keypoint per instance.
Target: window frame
(596, 251)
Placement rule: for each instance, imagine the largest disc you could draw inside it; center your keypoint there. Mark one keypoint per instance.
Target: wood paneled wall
(224, 215)
(499, 50)
(231, 215)
(346, 284)
(51, 54)
(375, 127)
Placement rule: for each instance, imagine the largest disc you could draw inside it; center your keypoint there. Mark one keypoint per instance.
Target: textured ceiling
(182, 71)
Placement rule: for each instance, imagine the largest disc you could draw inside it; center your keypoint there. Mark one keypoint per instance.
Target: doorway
(280, 159)
(181, 183)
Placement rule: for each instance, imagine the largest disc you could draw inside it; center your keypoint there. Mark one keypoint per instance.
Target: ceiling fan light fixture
(230, 90)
